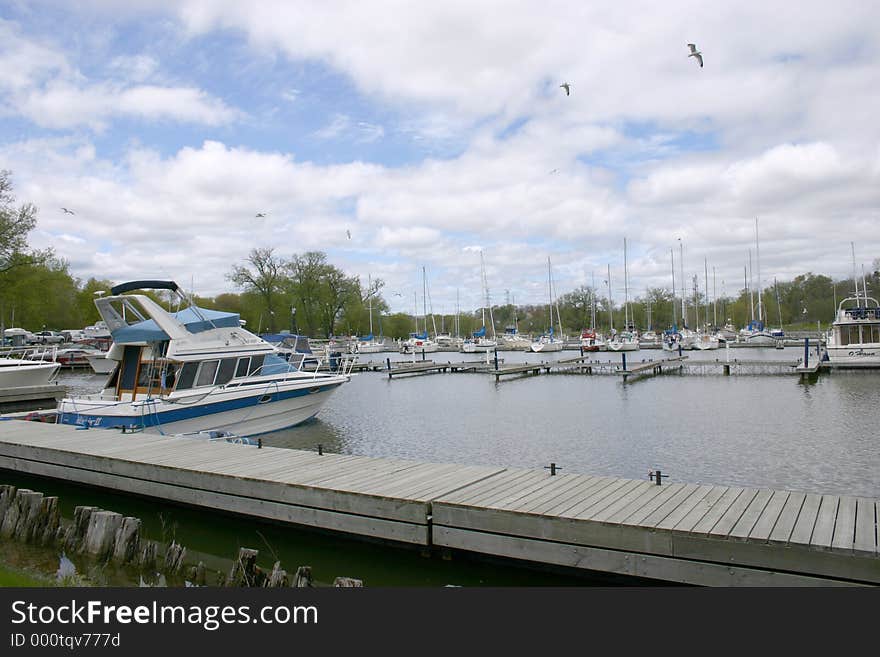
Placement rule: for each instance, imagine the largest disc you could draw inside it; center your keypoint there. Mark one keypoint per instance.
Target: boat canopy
(366, 338)
(194, 319)
(481, 333)
(419, 336)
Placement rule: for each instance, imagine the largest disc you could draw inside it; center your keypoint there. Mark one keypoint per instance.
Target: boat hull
(863, 355)
(245, 413)
(622, 346)
(547, 346)
(15, 373)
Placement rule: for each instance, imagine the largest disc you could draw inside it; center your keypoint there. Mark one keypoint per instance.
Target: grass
(10, 576)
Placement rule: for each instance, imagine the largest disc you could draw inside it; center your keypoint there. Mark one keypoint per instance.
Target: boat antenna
(672, 260)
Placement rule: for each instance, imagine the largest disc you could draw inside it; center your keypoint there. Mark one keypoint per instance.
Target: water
(747, 430)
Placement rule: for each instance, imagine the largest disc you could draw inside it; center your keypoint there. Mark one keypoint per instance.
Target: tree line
(307, 294)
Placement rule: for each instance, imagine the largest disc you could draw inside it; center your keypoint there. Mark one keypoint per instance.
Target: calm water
(748, 430)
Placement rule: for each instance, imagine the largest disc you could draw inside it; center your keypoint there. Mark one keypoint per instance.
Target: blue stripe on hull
(153, 419)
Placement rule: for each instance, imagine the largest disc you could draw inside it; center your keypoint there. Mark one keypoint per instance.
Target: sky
(405, 139)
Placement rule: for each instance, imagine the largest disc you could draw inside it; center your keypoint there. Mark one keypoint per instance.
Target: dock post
(388, 364)
(423, 353)
(320, 449)
(806, 352)
(623, 354)
(496, 359)
(553, 468)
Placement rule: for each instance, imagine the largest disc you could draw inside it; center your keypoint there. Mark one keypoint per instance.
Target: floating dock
(675, 532)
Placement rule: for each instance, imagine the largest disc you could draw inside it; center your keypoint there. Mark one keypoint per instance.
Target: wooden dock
(675, 532)
(32, 397)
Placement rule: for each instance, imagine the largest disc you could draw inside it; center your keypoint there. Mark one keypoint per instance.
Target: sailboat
(705, 338)
(755, 334)
(591, 340)
(480, 340)
(626, 340)
(369, 344)
(419, 342)
(549, 341)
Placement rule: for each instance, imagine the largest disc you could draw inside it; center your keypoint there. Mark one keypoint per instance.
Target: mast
(593, 302)
(714, 300)
(855, 276)
(370, 303)
(778, 307)
(550, 292)
(684, 317)
(625, 291)
(486, 293)
(610, 303)
(672, 260)
(706, 280)
(749, 288)
(760, 288)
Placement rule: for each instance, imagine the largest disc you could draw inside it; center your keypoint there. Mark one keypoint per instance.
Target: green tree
(266, 279)
(321, 292)
(15, 224)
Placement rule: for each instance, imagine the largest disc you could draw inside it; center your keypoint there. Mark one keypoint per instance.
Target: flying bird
(696, 53)
(66, 211)
(260, 214)
(348, 232)
(554, 171)
(566, 86)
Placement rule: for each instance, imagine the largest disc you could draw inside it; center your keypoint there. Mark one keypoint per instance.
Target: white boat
(549, 341)
(482, 340)
(671, 341)
(623, 341)
(704, 340)
(369, 344)
(627, 339)
(194, 370)
(854, 338)
(97, 330)
(18, 372)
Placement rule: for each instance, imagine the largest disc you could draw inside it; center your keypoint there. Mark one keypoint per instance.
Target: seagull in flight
(260, 214)
(696, 53)
(555, 171)
(348, 232)
(567, 87)
(66, 211)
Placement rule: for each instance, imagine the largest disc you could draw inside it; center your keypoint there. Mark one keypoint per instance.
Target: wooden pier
(675, 532)
(31, 397)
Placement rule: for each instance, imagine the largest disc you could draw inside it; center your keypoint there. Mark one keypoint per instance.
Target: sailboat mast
(610, 302)
(706, 280)
(852, 246)
(625, 291)
(593, 302)
(672, 260)
(370, 303)
(714, 300)
(684, 317)
(749, 287)
(760, 288)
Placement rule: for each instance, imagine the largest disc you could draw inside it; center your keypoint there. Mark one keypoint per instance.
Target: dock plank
(806, 520)
(845, 524)
(750, 516)
(866, 539)
(781, 532)
(715, 507)
(823, 530)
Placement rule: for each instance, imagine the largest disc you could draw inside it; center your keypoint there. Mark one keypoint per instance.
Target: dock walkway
(689, 533)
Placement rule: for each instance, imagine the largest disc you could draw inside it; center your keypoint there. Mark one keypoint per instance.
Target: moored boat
(854, 338)
(194, 370)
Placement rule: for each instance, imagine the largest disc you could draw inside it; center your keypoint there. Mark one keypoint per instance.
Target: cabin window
(207, 371)
(226, 372)
(243, 366)
(187, 376)
(147, 375)
(257, 364)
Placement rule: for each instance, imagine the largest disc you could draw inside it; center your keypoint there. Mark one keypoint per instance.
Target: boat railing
(33, 355)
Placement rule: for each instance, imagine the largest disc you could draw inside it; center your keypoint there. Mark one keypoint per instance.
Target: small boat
(705, 340)
(419, 343)
(591, 341)
(195, 370)
(24, 371)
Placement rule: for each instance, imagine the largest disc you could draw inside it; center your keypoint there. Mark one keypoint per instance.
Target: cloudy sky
(430, 131)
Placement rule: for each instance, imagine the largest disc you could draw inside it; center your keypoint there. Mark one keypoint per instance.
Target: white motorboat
(195, 370)
(18, 372)
(419, 343)
(854, 338)
(591, 340)
(704, 340)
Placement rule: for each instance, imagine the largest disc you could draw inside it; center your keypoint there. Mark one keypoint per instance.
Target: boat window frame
(202, 366)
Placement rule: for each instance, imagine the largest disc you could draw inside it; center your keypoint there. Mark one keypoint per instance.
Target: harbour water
(759, 430)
